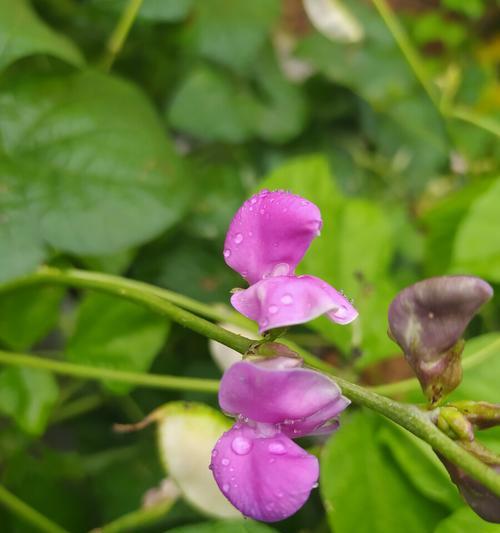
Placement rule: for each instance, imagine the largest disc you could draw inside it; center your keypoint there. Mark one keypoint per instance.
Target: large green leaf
(114, 333)
(208, 105)
(87, 168)
(464, 520)
(23, 33)
(233, 32)
(477, 244)
(225, 526)
(28, 314)
(28, 395)
(421, 465)
(364, 490)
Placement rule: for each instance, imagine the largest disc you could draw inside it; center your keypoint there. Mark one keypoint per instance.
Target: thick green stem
(119, 35)
(134, 291)
(408, 416)
(104, 374)
(28, 514)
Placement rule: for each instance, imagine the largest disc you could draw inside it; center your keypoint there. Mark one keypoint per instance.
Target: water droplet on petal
(315, 486)
(241, 445)
(277, 448)
(281, 269)
(253, 200)
(225, 461)
(273, 309)
(287, 299)
(227, 253)
(214, 453)
(225, 487)
(238, 238)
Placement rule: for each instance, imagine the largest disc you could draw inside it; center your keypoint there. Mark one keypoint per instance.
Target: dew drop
(227, 252)
(225, 461)
(315, 486)
(277, 448)
(238, 238)
(281, 269)
(225, 487)
(279, 494)
(264, 323)
(253, 200)
(241, 445)
(273, 309)
(214, 453)
(287, 299)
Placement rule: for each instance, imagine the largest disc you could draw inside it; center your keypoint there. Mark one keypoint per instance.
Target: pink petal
(266, 478)
(299, 399)
(270, 234)
(286, 300)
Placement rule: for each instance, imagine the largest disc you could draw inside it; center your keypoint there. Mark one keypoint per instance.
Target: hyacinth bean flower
(266, 240)
(256, 464)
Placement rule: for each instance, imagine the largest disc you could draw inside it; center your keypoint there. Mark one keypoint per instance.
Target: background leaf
(114, 333)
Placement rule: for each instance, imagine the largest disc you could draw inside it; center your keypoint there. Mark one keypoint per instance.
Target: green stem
(117, 38)
(466, 115)
(102, 374)
(137, 519)
(404, 43)
(27, 513)
(408, 416)
(135, 291)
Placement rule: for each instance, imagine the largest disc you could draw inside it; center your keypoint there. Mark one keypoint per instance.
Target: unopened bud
(482, 415)
(428, 319)
(452, 422)
(481, 500)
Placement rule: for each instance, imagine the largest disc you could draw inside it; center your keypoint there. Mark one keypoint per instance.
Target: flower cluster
(256, 464)
(266, 240)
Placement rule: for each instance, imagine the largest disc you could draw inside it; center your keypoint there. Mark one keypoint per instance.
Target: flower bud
(428, 319)
(482, 415)
(482, 501)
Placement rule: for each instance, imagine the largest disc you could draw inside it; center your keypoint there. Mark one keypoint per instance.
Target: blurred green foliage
(138, 171)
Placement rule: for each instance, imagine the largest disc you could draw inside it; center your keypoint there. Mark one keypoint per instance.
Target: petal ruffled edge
(289, 300)
(270, 234)
(266, 478)
(299, 399)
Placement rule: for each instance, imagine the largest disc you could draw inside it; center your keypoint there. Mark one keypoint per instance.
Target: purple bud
(481, 500)
(428, 319)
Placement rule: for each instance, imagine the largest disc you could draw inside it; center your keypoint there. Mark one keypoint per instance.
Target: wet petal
(270, 234)
(266, 478)
(287, 300)
(296, 397)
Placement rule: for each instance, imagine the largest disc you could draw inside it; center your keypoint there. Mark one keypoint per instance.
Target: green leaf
(465, 519)
(208, 105)
(225, 526)
(477, 244)
(364, 490)
(232, 33)
(23, 33)
(28, 314)
(85, 159)
(441, 222)
(480, 381)
(187, 433)
(421, 465)
(114, 333)
(28, 396)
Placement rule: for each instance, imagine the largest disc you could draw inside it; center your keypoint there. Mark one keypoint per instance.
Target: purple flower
(267, 238)
(257, 466)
